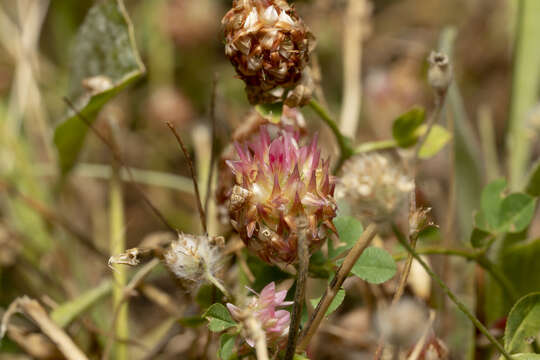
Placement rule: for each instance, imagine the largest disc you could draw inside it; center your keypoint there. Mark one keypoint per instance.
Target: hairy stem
(257, 333)
(316, 318)
(479, 258)
(450, 294)
(299, 295)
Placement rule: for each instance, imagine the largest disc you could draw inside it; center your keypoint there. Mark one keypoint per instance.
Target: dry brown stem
(192, 172)
(334, 286)
(35, 312)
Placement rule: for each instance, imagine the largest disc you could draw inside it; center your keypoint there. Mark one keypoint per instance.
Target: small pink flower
(275, 323)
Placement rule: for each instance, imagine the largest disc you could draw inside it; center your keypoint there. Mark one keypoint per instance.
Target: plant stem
(450, 294)
(316, 318)
(345, 147)
(193, 177)
(258, 335)
(211, 278)
(375, 145)
(299, 295)
(479, 258)
(118, 244)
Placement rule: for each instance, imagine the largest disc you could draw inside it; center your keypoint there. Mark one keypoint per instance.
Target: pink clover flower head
(278, 181)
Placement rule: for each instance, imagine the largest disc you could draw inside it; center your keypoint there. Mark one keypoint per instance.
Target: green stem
(450, 294)
(117, 246)
(344, 144)
(375, 145)
(212, 279)
(477, 257)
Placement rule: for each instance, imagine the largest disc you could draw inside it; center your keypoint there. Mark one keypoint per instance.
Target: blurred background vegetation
(54, 230)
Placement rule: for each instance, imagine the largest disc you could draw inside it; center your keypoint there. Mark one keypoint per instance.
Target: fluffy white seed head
(374, 185)
(195, 258)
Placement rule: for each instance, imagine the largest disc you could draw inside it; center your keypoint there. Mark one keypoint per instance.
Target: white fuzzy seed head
(374, 185)
(194, 257)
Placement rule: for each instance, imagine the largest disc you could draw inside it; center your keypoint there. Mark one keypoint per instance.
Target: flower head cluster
(269, 46)
(195, 258)
(291, 120)
(277, 183)
(263, 306)
(374, 185)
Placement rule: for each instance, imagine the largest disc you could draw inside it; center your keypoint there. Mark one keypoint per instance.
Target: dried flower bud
(269, 46)
(419, 220)
(440, 72)
(374, 185)
(278, 182)
(274, 323)
(196, 259)
(402, 324)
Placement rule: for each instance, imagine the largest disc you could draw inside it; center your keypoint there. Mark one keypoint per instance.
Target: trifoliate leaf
(375, 265)
(219, 318)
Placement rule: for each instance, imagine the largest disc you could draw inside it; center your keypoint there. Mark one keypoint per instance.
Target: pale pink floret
(275, 323)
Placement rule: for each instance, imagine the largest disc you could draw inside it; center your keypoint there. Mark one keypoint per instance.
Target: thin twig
(477, 257)
(334, 286)
(299, 295)
(118, 157)
(192, 172)
(450, 294)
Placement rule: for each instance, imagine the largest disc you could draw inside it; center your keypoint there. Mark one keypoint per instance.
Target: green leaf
(533, 184)
(349, 230)
(219, 318)
(192, 321)
(519, 263)
(517, 211)
(480, 238)
(271, 112)
(491, 202)
(300, 357)
(404, 128)
(523, 323)
(338, 300)
(375, 265)
(105, 55)
(226, 346)
(437, 138)
(68, 311)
